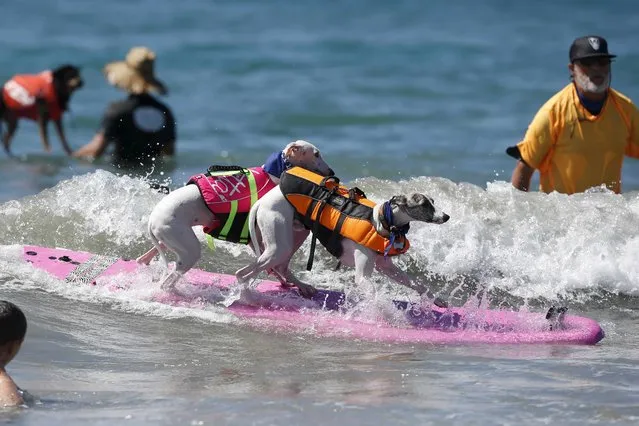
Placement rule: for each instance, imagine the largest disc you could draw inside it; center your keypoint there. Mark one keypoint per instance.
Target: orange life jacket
(342, 213)
(21, 92)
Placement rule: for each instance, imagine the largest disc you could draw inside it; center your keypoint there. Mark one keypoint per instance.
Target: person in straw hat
(140, 127)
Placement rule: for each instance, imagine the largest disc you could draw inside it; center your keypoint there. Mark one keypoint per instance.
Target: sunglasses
(588, 62)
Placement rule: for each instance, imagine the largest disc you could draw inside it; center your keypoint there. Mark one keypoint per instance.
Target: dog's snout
(445, 218)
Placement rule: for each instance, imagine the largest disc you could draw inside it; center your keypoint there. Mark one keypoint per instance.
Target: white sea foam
(527, 245)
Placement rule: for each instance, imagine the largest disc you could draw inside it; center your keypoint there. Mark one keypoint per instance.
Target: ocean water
(408, 96)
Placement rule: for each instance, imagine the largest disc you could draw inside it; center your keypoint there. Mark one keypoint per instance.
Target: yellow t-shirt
(575, 150)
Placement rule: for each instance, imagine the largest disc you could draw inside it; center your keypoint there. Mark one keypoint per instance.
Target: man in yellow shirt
(579, 137)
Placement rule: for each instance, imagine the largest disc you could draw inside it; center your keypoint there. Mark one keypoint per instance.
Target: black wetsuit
(140, 127)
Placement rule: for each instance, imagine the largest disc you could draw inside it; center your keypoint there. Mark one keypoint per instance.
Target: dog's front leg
(386, 266)
(12, 126)
(364, 263)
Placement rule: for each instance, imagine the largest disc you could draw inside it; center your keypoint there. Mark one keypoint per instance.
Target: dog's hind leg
(182, 241)
(267, 260)
(273, 227)
(285, 275)
(251, 269)
(272, 256)
(254, 232)
(274, 218)
(283, 272)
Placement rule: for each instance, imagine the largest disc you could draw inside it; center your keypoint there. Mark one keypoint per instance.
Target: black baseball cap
(589, 47)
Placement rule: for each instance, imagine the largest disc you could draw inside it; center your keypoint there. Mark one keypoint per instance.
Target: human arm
(93, 149)
(632, 148)
(532, 152)
(522, 175)
(101, 140)
(60, 130)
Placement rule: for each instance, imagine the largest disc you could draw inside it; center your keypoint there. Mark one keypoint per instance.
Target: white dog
(274, 216)
(207, 201)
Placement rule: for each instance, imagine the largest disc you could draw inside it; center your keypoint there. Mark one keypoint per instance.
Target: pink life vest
(229, 193)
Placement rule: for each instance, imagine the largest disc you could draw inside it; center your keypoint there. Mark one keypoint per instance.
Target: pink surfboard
(325, 314)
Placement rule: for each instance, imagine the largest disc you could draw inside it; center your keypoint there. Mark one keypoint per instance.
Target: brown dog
(39, 97)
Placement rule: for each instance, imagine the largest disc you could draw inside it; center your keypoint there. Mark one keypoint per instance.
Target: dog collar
(276, 164)
(397, 238)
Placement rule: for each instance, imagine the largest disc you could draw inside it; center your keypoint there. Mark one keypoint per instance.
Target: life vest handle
(330, 182)
(218, 169)
(355, 193)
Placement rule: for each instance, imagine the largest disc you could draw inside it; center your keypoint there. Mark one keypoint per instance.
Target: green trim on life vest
(229, 221)
(210, 242)
(244, 236)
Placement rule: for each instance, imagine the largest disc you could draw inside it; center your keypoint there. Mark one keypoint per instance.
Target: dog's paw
(555, 317)
(427, 298)
(306, 290)
(439, 302)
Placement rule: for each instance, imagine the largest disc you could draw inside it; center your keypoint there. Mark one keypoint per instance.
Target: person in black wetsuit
(141, 129)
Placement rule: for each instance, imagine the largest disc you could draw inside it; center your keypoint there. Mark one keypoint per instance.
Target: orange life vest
(342, 213)
(21, 92)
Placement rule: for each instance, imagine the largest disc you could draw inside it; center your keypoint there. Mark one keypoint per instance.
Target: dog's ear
(66, 72)
(399, 200)
(420, 207)
(414, 200)
(68, 75)
(291, 149)
(300, 148)
(417, 200)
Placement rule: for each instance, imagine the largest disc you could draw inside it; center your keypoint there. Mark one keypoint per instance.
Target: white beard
(586, 84)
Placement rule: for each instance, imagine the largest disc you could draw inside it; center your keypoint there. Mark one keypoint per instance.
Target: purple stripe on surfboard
(326, 315)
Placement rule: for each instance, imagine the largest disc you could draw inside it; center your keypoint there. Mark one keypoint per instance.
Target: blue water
(402, 96)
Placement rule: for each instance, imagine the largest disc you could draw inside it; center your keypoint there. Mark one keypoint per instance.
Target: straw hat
(135, 74)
